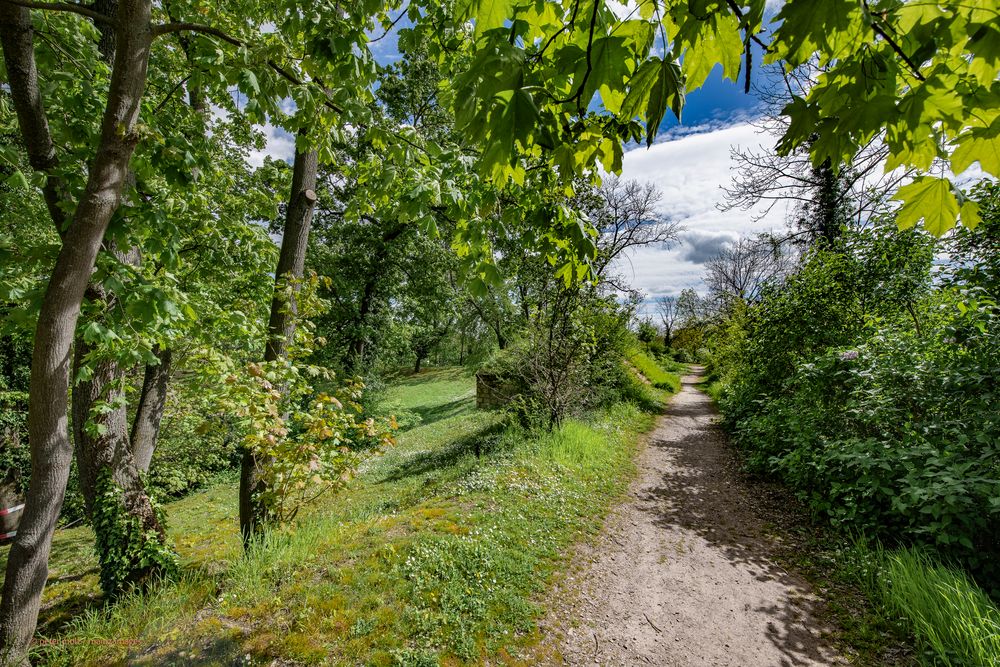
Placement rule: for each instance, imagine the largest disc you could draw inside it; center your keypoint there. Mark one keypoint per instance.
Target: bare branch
(628, 216)
(743, 269)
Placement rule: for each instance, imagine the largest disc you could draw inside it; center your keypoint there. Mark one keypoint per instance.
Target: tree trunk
(281, 325)
(149, 413)
(416, 366)
(107, 454)
(100, 438)
(48, 435)
(17, 36)
(828, 204)
(358, 345)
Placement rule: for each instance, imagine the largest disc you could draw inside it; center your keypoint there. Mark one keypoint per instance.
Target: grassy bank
(434, 555)
(660, 377)
(951, 620)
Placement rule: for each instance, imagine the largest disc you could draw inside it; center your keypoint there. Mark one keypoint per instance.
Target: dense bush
(873, 394)
(898, 435)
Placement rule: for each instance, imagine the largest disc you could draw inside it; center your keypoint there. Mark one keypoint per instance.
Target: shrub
(898, 435)
(873, 394)
(567, 360)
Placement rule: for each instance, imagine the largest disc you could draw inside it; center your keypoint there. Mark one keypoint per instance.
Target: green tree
(925, 74)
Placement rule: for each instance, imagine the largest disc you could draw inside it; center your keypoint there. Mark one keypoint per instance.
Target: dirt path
(683, 574)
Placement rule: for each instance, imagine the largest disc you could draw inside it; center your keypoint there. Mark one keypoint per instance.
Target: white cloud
(280, 146)
(691, 172)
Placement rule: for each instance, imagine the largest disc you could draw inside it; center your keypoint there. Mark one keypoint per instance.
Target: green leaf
(709, 43)
(17, 180)
(982, 146)
(970, 214)
(609, 67)
(248, 81)
(639, 88)
(928, 198)
(490, 14)
(830, 27)
(667, 89)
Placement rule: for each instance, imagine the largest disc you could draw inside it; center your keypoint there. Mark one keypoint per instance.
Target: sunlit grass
(434, 554)
(653, 372)
(952, 619)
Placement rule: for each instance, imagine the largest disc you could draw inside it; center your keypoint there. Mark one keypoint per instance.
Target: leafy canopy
(922, 73)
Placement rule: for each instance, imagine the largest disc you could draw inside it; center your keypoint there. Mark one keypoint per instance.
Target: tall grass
(952, 618)
(954, 622)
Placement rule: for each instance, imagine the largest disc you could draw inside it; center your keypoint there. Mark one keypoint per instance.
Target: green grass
(714, 389)
(951, 620)
(654, 372)
(433, 555)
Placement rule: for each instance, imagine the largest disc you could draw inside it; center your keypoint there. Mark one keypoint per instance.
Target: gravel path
(681, 574)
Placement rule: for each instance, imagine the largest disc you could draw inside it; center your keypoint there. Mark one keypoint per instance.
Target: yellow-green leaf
(928, 198)
(981, 147)
(970, 214)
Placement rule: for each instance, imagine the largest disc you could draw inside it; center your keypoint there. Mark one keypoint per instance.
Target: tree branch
(182, 26)
(739, 16)
(403, 12)
(65, 7)
(17, 41)
(880, 31)
(586, 75)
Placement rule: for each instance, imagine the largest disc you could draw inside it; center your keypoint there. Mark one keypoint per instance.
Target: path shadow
(227, 650)
(706, 492)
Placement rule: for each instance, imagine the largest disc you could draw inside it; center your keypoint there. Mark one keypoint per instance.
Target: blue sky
(689, 162)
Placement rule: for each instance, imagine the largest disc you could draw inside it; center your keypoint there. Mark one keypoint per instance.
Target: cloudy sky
(690, 172)
(690, 163)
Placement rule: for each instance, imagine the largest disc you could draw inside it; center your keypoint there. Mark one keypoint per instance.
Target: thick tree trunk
(416, 366)
(99, 439)
(108, 446)
(149, 413)
(48, 435)
(281, 325)
(103, 452)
